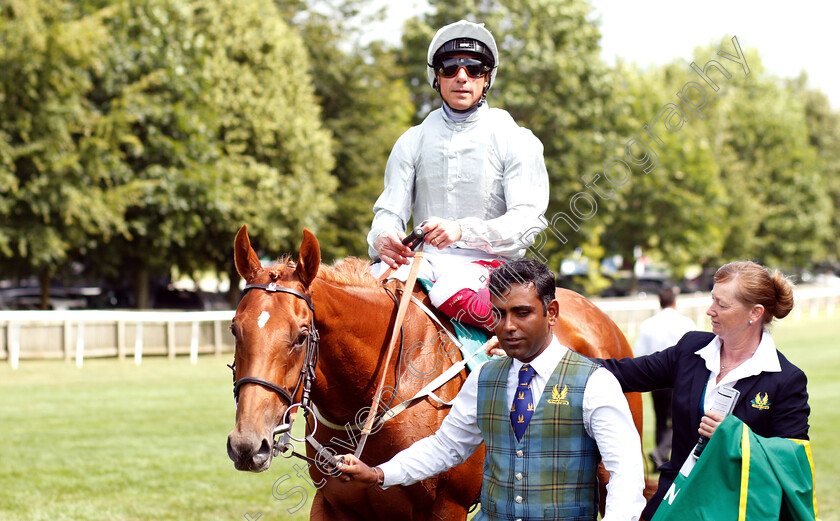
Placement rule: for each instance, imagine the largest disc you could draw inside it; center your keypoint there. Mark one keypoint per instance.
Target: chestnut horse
(353, 315)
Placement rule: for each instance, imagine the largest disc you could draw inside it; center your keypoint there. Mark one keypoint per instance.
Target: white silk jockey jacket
(488, 173)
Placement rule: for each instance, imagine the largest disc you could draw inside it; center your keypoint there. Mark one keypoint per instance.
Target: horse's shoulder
(587, 329)
(568, 297)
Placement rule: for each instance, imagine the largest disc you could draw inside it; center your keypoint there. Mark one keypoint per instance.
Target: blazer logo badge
(559, 397)
(761, 403)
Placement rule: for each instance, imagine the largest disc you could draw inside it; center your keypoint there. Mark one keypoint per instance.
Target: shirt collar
(474, 115)
(765, 358)
(546, 362)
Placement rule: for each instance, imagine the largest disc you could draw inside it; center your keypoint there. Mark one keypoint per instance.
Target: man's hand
(441, 233)
(354, 470)
(391, 250)
(491, 347)
(710, 423)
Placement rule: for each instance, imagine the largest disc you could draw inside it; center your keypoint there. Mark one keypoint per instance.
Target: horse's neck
(353, 323)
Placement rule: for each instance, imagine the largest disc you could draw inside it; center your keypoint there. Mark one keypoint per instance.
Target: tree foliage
(54, 193)
(210, 108)
(663, 207)
(137, 136)
(365, 105)
(776, 207)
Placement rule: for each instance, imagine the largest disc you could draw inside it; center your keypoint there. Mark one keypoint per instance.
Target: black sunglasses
(475, 68)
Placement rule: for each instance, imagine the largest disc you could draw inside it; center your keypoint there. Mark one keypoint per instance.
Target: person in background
(656, 333)
(473, 178)
(739, 352)
(546, 414)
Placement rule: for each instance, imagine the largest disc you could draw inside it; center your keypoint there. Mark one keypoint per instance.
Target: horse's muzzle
(249, 451)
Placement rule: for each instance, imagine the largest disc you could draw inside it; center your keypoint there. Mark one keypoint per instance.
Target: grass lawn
(114, 441)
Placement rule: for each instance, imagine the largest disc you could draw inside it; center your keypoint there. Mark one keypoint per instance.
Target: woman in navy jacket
(740, 353)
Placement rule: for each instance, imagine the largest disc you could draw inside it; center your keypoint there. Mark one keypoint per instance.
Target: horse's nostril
(231, 453)
(263, 454)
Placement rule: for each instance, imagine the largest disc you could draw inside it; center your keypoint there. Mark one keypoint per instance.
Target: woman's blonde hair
(757, 285)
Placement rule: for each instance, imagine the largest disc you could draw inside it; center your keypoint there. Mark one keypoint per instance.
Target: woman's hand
(710, 423)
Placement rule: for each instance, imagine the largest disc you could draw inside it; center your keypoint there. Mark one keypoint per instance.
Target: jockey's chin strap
(305, 380)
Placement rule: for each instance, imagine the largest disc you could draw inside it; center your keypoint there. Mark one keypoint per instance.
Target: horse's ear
(247, 262)
(310, 258)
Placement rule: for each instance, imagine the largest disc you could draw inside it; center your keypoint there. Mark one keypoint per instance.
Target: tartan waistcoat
(550, 473)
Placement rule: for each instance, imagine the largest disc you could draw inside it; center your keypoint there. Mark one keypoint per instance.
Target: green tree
(824, 136)
(210, 104)
(365, 105)
(671, 211)
(777, 207)
(53, 195)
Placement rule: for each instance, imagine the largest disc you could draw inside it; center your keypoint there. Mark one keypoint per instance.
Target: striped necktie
(523, 402)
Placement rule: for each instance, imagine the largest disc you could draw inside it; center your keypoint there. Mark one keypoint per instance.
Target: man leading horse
(475, 180)
(546, 415)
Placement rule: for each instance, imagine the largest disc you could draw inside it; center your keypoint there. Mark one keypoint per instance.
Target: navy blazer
(772, 404)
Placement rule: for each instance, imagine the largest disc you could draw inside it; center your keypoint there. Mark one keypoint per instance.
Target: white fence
(813, 302)
(97, 333)
(93, 333)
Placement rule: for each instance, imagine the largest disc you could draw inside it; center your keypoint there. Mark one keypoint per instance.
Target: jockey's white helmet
(462, 37)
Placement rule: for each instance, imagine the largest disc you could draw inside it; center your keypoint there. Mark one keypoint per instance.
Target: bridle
(324, 459)
(305, 380)
(307, 372)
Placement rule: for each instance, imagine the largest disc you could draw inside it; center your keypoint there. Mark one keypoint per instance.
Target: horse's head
(272, 324)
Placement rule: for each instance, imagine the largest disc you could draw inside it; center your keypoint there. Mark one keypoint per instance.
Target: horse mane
(350, 271)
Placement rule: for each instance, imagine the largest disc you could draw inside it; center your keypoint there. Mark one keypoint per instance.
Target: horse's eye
(232, 330)
(302, 337)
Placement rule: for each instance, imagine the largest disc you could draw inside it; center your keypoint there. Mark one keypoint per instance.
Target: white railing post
(194, 344)
(170, 339)
(138, 343)
(217, 338)
(80, 345)
(121, 340)
(14, 344)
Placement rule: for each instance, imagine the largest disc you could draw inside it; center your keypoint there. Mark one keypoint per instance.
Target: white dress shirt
(661, 331)
(764, 359)
(606, 419)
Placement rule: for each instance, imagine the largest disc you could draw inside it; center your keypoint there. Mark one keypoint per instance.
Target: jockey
(472, 177)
